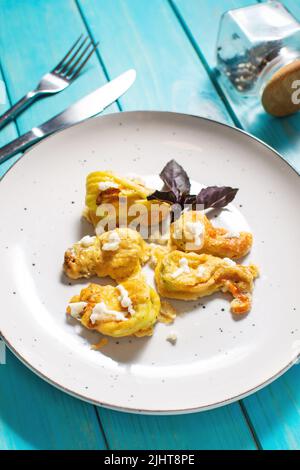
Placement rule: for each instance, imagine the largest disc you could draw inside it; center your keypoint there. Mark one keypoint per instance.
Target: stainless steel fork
(57, 80)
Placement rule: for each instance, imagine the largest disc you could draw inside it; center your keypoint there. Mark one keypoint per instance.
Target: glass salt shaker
(258, 56)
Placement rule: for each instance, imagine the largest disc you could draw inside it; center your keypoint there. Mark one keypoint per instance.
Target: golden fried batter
(194, 232)
(102, 308)
(118, 253)
(189, 276)
(104, 187)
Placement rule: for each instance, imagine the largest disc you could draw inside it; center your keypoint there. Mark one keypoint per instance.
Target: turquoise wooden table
(171, 45)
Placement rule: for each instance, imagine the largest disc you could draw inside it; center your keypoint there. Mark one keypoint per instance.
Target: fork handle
(18, 107)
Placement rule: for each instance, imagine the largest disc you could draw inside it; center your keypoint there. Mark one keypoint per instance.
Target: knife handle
(20, 144)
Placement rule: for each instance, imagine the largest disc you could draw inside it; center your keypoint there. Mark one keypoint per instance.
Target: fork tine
(79, 68)
(68, 54)
(65, 65)
(78, 59)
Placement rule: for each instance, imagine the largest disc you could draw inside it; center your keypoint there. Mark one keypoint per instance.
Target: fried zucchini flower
(118, 253)
(193, 231)
(126, 199)
(190, 276)
(131, 308)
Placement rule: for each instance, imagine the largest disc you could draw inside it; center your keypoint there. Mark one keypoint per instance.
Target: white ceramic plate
(217, 359)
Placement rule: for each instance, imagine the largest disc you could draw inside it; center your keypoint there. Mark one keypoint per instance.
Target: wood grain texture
(223, 428)
(35, 415)
(274, 411)
(10, 131)
(147, 36)
(34, 36)
(282, 134)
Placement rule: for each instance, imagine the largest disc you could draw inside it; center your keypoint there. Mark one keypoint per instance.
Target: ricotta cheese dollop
(87, 241)
(183, 268)
(102, 312)
(125, 300)
(113, 242)
(232, 234)
(201, 271)
(76, 309)
(196, 230)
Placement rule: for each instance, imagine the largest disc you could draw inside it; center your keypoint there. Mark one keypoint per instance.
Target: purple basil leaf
(167, 196)
(216, 196)
(176, 179)
(190, 199)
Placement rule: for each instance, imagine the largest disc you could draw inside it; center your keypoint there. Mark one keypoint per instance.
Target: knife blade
(85, 108)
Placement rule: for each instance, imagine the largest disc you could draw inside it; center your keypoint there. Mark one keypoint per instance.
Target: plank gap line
(250, 425)
(9, 98)
(99, 57)
(209, 71)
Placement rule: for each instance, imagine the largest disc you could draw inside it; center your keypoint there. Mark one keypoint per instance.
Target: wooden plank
(146, 35)
(10, 131)
(34, 36)
(282, 134)
(35, 415)
(223, 428)
(274, 411)
(203, 18)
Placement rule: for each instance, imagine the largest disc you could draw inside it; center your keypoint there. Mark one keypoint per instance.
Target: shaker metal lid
(280, 96)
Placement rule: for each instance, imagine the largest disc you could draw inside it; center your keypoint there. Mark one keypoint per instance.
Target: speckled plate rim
(129, 409)
(148, 412)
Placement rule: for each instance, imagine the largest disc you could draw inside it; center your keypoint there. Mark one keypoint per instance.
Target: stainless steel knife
(83, 109)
